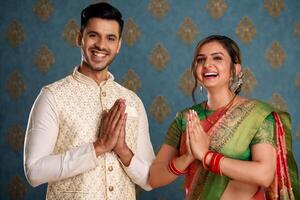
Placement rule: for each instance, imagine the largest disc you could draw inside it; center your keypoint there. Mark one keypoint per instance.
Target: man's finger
(118, 107)
(118, 125)
(113, 110)
(103, 122)
(123, 127)
(120, 111)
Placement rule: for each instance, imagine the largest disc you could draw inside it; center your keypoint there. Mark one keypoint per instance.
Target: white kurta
(64, 123)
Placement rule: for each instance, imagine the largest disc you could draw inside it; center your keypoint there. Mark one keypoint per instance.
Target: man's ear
(119, 46)
(78, 38)
(238, 69)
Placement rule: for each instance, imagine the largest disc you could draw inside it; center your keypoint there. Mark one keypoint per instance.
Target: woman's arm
(259, 171)
(159, 173)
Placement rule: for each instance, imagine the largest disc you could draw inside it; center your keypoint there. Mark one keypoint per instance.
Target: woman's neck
(219, 99)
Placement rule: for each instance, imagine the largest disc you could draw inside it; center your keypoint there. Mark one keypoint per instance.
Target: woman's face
(213, 66)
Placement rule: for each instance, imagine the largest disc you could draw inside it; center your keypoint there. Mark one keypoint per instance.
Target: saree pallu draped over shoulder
(232, 135)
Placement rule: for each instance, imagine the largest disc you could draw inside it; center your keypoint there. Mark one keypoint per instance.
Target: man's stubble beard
(97, 69)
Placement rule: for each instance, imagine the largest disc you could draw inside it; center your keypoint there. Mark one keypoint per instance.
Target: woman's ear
(238, 69)
(78, 38)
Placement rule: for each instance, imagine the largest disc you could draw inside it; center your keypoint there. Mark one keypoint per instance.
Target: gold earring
(236, 82)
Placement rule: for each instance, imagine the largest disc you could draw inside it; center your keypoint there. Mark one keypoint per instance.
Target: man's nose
(101, 43)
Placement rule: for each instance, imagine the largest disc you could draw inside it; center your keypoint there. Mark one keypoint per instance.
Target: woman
(228, 147)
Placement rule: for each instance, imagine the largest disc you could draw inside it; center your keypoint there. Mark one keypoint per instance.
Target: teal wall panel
(21, 80)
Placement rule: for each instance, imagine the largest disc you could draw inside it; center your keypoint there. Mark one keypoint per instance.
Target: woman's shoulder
(270, 109)
(266, 106)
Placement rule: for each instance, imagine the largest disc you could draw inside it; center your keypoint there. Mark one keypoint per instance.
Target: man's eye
(111, 39)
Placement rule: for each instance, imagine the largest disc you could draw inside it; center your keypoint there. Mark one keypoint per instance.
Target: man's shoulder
(126, 91)
(59, 83)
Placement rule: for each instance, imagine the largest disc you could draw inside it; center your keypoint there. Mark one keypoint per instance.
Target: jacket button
(110, 188)
(110, 168)
(103, 93)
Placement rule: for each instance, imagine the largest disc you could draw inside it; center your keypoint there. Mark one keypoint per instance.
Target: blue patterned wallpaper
(37, 48)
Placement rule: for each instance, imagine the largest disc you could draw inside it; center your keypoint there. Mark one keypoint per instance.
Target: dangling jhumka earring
(236, 82)
(201, 88)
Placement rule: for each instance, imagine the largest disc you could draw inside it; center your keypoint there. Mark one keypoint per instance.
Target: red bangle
(215, 163)
(220, 164)
(174, 170)
(212, 161)
(204, 160)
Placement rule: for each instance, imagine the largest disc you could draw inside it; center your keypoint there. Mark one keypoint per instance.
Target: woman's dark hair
(101, 10)
(229, 45)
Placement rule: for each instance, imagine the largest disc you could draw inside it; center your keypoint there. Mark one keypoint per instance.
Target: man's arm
(40, 165)
(139, 163)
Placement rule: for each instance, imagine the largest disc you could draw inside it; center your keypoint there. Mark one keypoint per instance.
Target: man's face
(100, 43)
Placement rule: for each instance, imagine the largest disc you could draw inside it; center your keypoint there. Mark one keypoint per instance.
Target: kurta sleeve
(138, 169)
(40, 165)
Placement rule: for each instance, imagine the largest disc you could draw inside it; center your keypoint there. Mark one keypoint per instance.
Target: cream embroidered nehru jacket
(63, 124)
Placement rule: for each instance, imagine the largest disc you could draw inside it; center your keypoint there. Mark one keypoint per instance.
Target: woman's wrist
(187, 158)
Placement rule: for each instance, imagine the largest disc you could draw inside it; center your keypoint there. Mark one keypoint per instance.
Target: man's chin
(96, 68)
(99, 68)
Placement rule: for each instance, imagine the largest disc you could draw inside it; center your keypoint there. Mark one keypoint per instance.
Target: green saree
(242, 126)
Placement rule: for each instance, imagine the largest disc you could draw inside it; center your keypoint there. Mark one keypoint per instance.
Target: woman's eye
(200, 60)
(218, 58)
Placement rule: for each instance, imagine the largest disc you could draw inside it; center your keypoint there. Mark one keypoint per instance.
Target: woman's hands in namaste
(197, 140)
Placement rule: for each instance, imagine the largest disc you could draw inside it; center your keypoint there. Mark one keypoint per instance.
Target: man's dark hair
(103, 11)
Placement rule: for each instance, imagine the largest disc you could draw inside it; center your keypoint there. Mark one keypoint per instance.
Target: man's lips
(99, 55)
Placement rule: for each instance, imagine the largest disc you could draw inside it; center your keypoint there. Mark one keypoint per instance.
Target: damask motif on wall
(15, 85)
(186, 82)
(278, 102)
(297, 82)
(246, 30)
(216, 8)
(131, 32)
(15, 34)
(275, 55)
(16, 188)
(159, 57)
(132, 81)
(158, 8)
(188, 31)
(274, 7)
(15, 137)
(297, 29)
(70, 33)
(44, 59)
(160, 108)
(43, 9)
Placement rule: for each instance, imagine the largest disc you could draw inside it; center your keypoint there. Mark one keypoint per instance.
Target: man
(72, 142)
